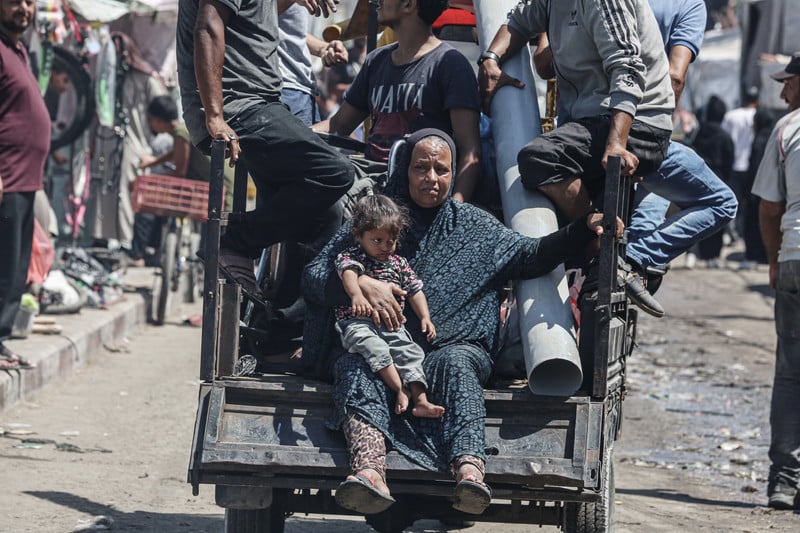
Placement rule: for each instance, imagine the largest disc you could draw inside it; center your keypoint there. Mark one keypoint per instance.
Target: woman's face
(430, 174)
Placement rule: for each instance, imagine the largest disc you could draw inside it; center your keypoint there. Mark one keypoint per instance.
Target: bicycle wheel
(168, 263)
(191, 265)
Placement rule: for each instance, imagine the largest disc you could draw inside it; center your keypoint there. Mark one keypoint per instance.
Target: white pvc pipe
(548, 336)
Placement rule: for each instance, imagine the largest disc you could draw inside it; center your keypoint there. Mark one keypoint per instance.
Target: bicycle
(184, 203)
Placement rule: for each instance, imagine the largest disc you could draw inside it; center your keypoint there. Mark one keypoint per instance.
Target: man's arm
(317, 8)
(769, 218)
(543, 58)
(615, 34)
(343, 122)
(331, 53)
(466, 134)
(491, 77)
(209, 56)
(617, 141)
(679, 59)
(181, 152)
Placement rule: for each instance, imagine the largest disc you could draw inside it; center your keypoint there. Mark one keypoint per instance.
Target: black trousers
(298, 177)
(16, 241)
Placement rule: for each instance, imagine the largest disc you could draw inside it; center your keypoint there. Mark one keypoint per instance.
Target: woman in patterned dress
(465, 256)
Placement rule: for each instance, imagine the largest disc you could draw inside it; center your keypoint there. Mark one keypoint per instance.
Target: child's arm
(148, 161)
(361, 306)
(419, 304)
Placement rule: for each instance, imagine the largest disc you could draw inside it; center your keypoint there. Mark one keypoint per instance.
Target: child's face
(379, 244)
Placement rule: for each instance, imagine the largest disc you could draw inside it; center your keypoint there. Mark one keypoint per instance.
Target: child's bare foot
(402, 402)
(427, 409)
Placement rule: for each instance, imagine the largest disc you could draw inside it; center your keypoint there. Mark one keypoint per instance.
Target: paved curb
(84, 337)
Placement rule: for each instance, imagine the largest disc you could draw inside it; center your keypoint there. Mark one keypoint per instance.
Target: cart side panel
(276, 425)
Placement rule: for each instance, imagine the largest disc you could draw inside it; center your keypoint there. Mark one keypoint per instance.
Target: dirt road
(115, 437)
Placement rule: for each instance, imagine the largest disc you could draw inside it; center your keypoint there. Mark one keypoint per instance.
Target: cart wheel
(269, 520)
(167, 272)
(594, 517)
(393, 520)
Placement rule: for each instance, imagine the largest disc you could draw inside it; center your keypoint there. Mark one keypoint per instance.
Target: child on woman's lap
(377, 224)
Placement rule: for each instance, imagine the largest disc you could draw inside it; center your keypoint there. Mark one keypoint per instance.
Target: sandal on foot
(10, 357)
(358, 493)
(6, 364)
(471, 496)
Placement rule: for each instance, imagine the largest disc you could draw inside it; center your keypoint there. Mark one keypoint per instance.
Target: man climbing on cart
(230, 87)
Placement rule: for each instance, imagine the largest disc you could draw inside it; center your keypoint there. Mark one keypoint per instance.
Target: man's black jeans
(16, 241)
(297, 175)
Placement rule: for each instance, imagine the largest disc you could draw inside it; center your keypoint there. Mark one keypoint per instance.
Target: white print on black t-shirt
(397, 98)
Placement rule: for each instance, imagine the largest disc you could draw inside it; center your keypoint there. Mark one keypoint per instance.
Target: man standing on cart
(230, 86)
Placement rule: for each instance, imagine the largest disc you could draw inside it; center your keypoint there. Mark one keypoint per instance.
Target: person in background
(295, 50)
(754, 252)
(118, 149)
(24, 146)
(715, 146)
(185, 159)
(738, 123)
(777, 183)
(182, 160)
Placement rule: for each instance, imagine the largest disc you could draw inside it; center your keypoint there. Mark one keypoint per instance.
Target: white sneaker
(691, 260)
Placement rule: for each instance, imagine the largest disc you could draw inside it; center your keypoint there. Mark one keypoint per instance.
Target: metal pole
(208, 350)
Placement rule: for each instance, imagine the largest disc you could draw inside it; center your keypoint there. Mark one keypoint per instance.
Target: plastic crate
(167, 196)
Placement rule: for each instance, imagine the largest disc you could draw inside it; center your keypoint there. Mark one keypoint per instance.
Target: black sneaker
(782, 495)
(637, 292)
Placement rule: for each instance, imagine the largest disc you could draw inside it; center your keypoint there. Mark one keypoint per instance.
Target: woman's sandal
(472, 495)
(358, 493)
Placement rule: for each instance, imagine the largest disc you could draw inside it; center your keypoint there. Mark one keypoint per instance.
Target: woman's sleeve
(521, 257)
(321, 284)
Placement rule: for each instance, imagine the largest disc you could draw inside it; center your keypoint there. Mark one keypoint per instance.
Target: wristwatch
(488, 54)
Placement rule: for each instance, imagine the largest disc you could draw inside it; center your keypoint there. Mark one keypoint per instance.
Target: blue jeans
(302, 105)
(706, 204)
(784, 449)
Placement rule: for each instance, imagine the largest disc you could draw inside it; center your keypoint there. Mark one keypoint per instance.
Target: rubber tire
(594, 517)
(269, 520)
(167, 272)
(84, 109)
(193, 266)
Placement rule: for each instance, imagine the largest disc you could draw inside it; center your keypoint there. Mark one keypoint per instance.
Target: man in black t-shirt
(418, 82)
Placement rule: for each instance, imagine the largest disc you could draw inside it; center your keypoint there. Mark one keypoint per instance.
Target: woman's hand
(428, 329)
(385, 308)
(595, 223)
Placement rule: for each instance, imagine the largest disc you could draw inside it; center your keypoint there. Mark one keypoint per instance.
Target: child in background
(377, 225)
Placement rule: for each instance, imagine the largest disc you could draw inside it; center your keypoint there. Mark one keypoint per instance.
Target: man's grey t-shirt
(250, 73)
(295, 59)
